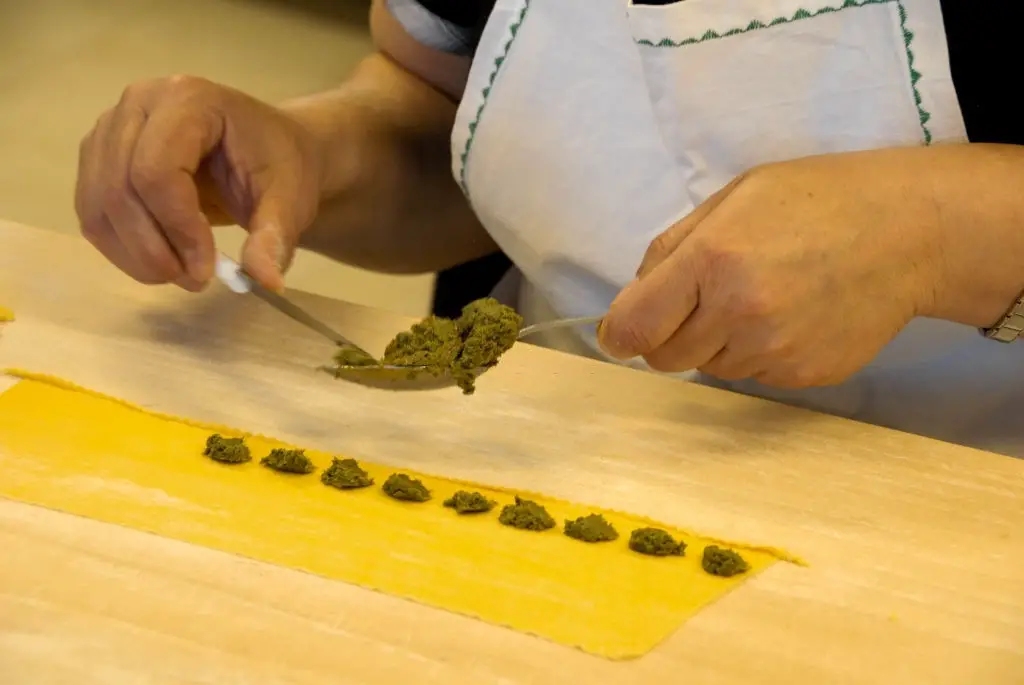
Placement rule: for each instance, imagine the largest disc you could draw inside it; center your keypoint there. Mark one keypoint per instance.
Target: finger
(100, 184)
(783, 378)
(88, 166)
(88, 186)
(102, 236)
(732, 365)
(696, 342)
(264, 255)
(650, 310)
(218, 212)
(666, 243)
(169, 151)
(281, 214)
(134, 226)
(808, 372)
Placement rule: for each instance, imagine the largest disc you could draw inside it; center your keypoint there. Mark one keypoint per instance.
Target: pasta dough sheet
(73, 450)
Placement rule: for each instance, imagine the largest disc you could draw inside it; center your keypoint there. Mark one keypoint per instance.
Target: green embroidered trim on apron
(498, 62)
(908, 37)
(755, 25)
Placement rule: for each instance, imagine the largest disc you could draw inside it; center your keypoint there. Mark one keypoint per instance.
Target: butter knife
(231, 274)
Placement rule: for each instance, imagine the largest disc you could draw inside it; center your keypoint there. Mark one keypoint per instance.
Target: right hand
(179, 154)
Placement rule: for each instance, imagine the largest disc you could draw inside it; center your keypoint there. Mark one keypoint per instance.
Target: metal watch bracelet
(1011, 326)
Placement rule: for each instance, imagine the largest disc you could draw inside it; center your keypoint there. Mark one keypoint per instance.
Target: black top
(983, 44)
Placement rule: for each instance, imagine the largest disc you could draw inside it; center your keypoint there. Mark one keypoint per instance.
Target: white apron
(589, 126)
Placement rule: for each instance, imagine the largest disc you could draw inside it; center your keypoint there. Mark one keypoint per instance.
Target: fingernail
(280, 253)
(607, 337)
(282, 258)
(607, 341)
(198, 267)
(612, 349)
(190, 284)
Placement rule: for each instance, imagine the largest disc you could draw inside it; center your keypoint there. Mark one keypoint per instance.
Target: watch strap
(1011, 326)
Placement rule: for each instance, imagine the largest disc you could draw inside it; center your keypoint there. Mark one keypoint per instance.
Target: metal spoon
(380, 376)
(422, 378)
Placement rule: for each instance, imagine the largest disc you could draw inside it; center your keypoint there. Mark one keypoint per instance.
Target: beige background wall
(62, 62)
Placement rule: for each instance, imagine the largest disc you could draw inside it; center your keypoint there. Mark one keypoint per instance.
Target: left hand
(796, 274)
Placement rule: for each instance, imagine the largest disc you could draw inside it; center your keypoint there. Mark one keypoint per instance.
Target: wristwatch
(1011, 326)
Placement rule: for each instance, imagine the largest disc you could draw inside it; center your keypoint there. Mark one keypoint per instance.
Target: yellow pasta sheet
(73, 450)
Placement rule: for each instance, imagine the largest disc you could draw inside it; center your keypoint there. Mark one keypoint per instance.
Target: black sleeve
(467, 14)
(984, 57)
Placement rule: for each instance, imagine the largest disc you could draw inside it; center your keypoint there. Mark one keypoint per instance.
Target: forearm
(978, 193)
(389, 201)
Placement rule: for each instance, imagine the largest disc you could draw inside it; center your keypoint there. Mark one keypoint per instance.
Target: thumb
(665, 292)
(270, 247)
(666, 243)
(651, 309)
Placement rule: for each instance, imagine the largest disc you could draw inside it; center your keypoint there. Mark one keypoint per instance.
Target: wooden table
(916, 548)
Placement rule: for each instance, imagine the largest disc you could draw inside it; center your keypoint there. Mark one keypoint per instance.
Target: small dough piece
(655, 542)
(288, 461)
(227, 450)
(345, 474)
(404, 487)
(465, 502)
(591, 528)
(526, 515)
(53, 431)
(723, 562)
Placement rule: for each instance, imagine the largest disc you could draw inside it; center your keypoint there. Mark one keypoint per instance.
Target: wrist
(980, 225)
(335, 136)
(381, 124)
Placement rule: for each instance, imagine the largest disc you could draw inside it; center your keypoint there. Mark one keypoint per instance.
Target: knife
(231, 274)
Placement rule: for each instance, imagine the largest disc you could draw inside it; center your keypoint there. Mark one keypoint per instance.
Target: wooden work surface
(916, 548)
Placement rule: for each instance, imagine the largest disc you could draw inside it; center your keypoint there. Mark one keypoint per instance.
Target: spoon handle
(559, 323)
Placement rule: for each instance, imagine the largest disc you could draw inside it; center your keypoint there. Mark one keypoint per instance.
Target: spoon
(423, 378)
(380, 376)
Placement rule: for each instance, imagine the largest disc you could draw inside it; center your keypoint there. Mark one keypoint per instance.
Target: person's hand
(177, 154)
(795, 274)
